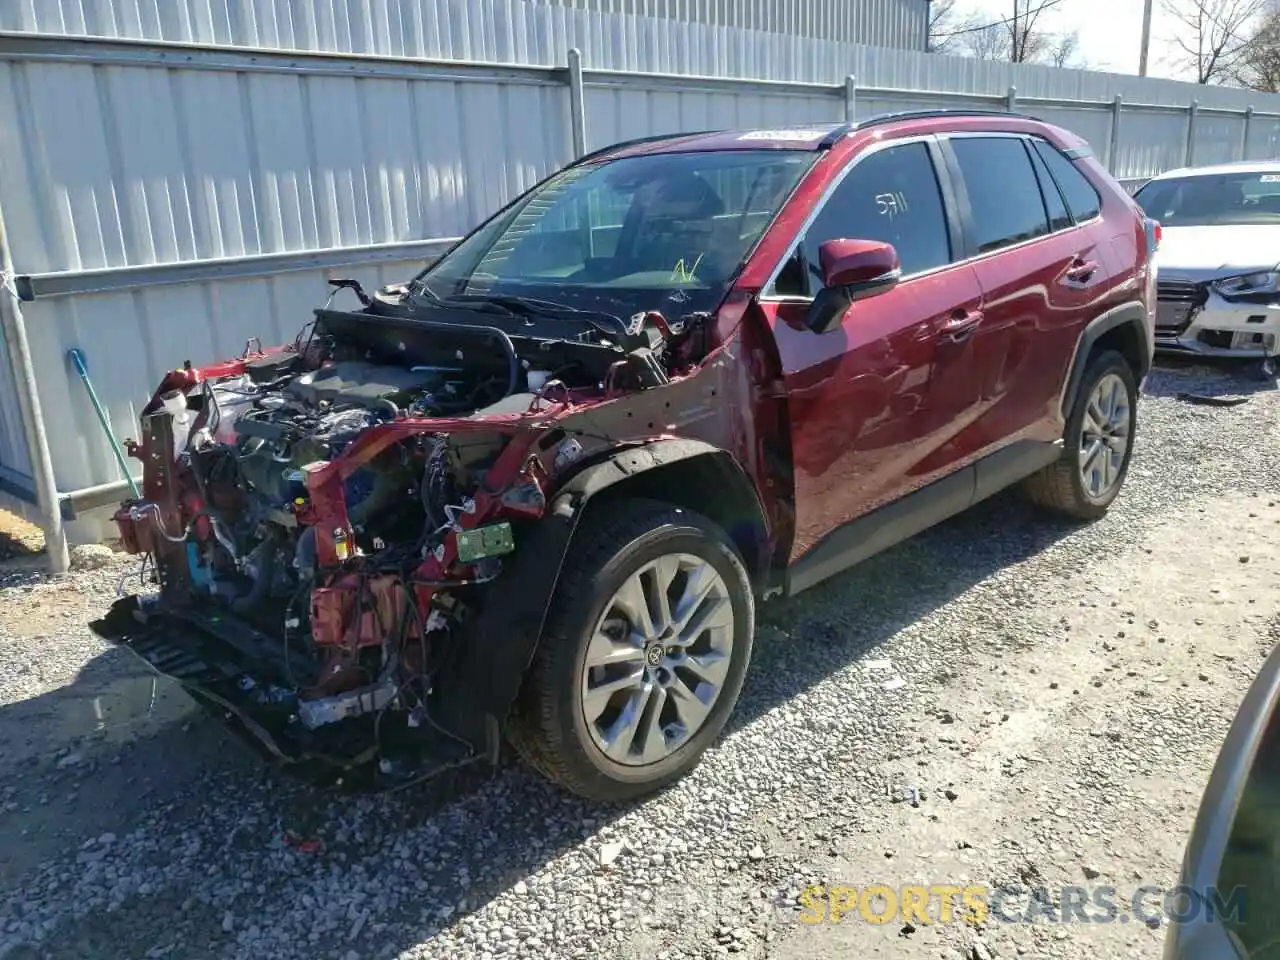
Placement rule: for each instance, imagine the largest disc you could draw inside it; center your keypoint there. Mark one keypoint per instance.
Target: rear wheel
(643, 656)
(1098, 443)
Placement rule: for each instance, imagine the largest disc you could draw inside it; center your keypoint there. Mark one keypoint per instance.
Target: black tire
(1059, 486)
(547, 726)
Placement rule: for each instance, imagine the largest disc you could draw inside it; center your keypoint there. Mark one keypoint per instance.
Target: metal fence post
(1244, 136)
(851, 98)
(1113, 144)
(1011, 100)
(577, 104)
(24, 379)
(1191, 132)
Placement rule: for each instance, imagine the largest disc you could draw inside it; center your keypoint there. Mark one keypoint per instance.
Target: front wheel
(1098, 443)
(643, 656)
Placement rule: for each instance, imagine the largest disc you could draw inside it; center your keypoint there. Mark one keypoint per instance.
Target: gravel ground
(1002, 700)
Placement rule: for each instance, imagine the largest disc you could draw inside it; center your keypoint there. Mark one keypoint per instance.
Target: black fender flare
(1132, 313)
(479, 684)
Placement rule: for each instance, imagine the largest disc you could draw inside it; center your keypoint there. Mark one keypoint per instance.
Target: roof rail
(834, 137)
(880, 118)
(831, 139)
(638, 141)
(939, 112)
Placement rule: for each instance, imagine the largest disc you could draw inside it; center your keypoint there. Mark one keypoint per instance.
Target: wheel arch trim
(1133, 314)
(494, 657)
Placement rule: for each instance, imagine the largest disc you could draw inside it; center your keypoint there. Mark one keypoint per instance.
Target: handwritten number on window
(893, 204)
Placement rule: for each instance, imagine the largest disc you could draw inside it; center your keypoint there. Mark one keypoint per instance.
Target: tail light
(1154, 234)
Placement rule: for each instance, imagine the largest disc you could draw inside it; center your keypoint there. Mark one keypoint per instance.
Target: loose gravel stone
(165, 839)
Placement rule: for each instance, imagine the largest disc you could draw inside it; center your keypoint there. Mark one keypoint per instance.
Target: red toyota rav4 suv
(535, 492)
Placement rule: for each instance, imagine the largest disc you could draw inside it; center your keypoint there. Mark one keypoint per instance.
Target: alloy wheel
(1104, 436)
(657, 659)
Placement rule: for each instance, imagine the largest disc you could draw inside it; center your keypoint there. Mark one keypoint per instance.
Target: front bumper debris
(228, 666)
(1191, 318)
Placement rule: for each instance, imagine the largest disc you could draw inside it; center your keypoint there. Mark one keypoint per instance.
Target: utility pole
(1146, 38)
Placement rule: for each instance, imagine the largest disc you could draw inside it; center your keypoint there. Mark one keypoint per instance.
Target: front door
(870, 400)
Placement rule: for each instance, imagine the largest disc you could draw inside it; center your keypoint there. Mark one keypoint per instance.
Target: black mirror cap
(829, 306)
(828, 309)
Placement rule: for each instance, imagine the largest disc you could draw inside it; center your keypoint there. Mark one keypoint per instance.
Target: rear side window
(1003, 193)
(1059, 218)
(1082, 199)
(890, 195)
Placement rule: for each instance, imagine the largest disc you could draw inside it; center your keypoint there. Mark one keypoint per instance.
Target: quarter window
(1059, 218)
(1082, 199)
(891, 195)
(1003, 193)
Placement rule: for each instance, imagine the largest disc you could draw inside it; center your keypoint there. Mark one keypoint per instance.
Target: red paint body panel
(870, 402)
(929, 359)
(830, 427)
(1033, 316)
(887, 404)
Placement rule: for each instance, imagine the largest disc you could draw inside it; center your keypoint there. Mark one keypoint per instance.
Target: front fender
(478, 687)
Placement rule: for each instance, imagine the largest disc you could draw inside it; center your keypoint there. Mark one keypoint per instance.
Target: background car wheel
(643, 655)
(1098, 443)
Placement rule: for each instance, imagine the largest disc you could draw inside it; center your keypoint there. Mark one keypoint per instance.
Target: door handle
(1081, 270)
(957, 327)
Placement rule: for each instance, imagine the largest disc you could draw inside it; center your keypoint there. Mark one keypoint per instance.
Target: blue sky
(1110, 32)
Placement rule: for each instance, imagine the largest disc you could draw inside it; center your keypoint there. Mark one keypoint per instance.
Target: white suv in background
(1218, 265)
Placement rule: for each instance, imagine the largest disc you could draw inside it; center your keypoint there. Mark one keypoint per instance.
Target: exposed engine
(336, 503)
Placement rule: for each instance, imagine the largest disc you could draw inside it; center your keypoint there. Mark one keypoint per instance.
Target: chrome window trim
(972, 134)
(768, 296)
(1070, 157)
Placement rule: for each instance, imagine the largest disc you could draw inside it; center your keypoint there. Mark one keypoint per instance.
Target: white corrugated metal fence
(182, 176)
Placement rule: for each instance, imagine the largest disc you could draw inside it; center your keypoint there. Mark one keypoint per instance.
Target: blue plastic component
(199, 574)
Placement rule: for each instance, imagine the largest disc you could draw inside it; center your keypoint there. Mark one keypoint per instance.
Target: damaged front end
(356, 537)
(353, 537)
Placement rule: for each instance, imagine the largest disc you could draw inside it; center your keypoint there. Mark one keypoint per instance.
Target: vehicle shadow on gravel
(84, 759)
(489, 829)
(799, 643)
(803, 640)
(461, 840)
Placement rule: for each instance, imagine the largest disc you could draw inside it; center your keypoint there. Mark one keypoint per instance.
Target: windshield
(665, 232)
(1219, 199)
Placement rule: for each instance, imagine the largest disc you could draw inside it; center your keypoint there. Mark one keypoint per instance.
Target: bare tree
(942, 15)
(1259, 66)
(1026, 43)
(988, 41)
(1017, 38)
(1217, 36)
(1062, 50)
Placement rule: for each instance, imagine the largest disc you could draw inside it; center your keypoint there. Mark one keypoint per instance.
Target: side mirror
(1230, 862)
(851, 270)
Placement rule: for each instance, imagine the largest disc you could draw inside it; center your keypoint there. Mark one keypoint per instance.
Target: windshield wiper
(518, 306)
(528, 306)
(418, 288)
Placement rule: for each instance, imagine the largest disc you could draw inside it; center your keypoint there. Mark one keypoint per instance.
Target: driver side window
(891, 195)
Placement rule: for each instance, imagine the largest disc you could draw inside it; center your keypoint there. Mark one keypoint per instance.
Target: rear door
(863, 411)
(1042, 275)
